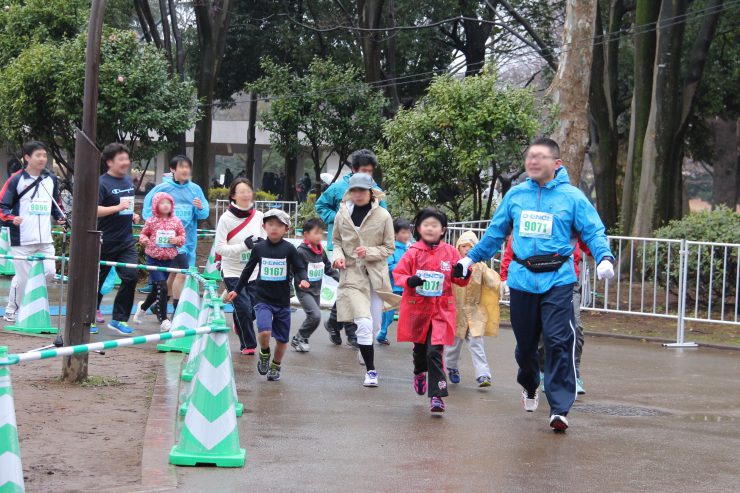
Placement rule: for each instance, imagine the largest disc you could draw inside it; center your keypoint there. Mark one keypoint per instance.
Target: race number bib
(40, 207)
(244, 257)
(130, 209)
(184, 212)
(315, 271)
(433, 283)
(274, 269)
(533, 224)
(162, 238)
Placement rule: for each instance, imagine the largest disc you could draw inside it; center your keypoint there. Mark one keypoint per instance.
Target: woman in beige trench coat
(363, 240)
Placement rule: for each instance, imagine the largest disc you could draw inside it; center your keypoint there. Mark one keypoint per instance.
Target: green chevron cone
(191, 366)
(186, 317)
(211, 271)
(6, 265)
(11, 471)
(33, 314)
(209, 433)
(116, 279)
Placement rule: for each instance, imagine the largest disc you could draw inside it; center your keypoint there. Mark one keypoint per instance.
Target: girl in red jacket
(161, 235)
(427, 314)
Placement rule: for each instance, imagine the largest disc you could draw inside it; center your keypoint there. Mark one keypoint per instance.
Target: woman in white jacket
(237, 231)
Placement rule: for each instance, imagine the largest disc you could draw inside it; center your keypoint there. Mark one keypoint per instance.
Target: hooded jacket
(401, 249)
(315, 263)
(161, 227)
(327, 206)
(570, 214)
(185, 211)
(477, 303)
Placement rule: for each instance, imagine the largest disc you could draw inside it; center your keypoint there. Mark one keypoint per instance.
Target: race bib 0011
(162, 238)
(433, 283)
(533, 224)
(315, 271)
(274, 269)
(40, 207)
(130, 209)
(244, 257)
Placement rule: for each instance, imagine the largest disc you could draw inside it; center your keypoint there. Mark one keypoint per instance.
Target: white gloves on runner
(503, 290)
(465, 263)
(605, 270)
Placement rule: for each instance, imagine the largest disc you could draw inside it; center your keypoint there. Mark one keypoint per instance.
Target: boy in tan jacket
(477, 315)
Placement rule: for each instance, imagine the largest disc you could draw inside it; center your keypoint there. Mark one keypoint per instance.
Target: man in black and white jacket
(29, 203)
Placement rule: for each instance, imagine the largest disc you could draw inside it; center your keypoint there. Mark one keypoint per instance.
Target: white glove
(465, 263)
(503, 290)
(605, 270)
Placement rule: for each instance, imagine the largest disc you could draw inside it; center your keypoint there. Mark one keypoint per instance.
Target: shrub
(217, 194)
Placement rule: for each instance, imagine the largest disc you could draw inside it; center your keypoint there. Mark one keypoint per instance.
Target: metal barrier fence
(677, 279)
(290, 208)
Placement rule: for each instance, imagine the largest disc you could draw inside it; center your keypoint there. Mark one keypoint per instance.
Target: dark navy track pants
(549, 314)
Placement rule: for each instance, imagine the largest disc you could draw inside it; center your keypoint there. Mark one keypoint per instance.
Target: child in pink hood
(162, 234)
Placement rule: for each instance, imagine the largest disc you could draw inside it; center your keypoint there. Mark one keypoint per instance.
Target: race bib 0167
(274, 269)
(533, 224)
(163, 236)
(40, 207)
(433, 283)
(315, 271)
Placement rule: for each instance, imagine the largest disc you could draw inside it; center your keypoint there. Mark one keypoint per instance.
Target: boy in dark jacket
(318, 265)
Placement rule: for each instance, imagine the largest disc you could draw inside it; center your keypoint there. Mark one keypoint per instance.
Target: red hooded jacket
(148, 236)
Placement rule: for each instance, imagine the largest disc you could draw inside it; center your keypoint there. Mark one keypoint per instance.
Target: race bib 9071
(434, 283)
(533, 224)
(274, 269)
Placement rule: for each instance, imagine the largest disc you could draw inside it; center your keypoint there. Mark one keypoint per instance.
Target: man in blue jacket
(191, 206)
(362, 161)
(544, 215)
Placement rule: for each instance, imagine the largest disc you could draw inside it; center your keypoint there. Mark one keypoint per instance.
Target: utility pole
(85, 247)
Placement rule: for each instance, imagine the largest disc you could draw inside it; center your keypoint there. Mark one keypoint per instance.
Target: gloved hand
(461, 268)
(414, 282)
(503, 289)
(605, 269)
(250, 241)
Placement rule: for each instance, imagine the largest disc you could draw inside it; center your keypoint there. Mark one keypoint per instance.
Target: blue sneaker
(120, 327)
(146, 289)
(579, 386)
(454, 374)
(94, 329)
(542, 382)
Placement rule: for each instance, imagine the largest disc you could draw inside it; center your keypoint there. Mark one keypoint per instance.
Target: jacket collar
(561, 178)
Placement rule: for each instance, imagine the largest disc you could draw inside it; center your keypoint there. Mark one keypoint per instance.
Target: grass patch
(101, 382)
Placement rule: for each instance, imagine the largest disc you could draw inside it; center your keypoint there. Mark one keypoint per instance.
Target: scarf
(316, 250)
(239, 212)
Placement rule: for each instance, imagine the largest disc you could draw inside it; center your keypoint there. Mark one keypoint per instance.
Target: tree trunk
(291, 167)
(476, 36)
(370, 12)
(164, 15)
(179, 59)
(725, 162)
(251, 136)
(146, 12)
(570, 87)
(392, 88)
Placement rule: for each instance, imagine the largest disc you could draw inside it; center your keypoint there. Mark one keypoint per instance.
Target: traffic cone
(186, 317)
(116, 279)
(33, 314)
(211, 271)
(6, 265)
(191, 366)
(209, 433)
(11, 471)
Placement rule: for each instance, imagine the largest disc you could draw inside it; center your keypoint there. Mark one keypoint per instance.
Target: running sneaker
(371, 379)
(334, 335)
(530, 402)
(248, 351)
(9, 316)
(94, 329)
(120, 327)
(420, 383)
(384, 342)
(299, 344)
(558, 422)
(273, 374)
(264, 363)
(579, 386)
(454, 374)
(99, 317)
(436, 405)
(483, 381)
(542, 382)
(146, 289)
(138, 316)
(165, 326)
(352, 343)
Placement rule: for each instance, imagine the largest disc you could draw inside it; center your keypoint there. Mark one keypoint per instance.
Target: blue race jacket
(572, 214)
(184, 194)
(393, 260)
(329, 202)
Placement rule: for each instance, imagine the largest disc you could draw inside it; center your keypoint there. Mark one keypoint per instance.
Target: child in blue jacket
(402, 229)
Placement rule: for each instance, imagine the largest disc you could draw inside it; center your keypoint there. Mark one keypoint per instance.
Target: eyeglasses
(538, 157)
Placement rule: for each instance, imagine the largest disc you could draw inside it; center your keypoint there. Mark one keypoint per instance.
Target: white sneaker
(558, 422)
(371, 379)
(165, 326)
(138, 316)
(530, 405)
(9, 316)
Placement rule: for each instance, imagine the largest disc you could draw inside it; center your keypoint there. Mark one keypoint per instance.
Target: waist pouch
(542, 263)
